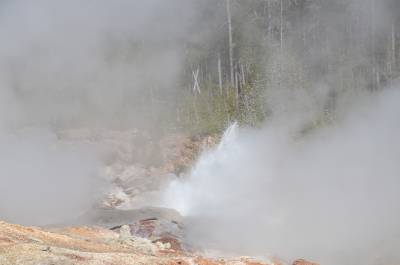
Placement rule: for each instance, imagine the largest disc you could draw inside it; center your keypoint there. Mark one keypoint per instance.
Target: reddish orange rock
(304, 262)
(203, 261)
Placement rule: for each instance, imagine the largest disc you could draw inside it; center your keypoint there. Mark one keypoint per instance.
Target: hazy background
(78, 64)
(74, 63)
(317, 179)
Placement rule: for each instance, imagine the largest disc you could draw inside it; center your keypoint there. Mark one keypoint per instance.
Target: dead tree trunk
(393, 49)
(269, 20)
(281, 27)
(228, 11)
(220, 74)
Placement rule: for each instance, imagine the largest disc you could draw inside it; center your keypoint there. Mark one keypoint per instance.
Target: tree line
(239, 50)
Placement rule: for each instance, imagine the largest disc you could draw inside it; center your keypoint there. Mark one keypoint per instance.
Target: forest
(242, 52)
(197, 66)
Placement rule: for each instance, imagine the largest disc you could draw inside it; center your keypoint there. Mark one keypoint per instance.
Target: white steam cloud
(44, 181)
(68, 64)
(331, 196)
(91, 63)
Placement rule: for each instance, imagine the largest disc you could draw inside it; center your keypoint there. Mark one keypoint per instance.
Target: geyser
(330, 195)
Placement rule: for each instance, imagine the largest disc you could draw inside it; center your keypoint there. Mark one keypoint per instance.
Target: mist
(44, 181)
(330, 196)
(78, 64)
(317, 179)
(92, 63)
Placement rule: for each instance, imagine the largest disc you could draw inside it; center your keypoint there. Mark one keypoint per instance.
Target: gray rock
(156, 224)
(110, 218)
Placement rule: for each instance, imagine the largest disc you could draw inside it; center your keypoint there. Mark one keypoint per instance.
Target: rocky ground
(92, 246)
(119, 231)
(96, 245)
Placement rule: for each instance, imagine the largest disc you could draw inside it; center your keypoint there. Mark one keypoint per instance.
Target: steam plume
(330, 196)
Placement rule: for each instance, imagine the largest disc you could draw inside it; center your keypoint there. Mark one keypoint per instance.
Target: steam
(92, 63)
(72, 64)
(331, 195)
(45, 181)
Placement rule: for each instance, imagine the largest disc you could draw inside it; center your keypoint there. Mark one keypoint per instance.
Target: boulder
(159, 225)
